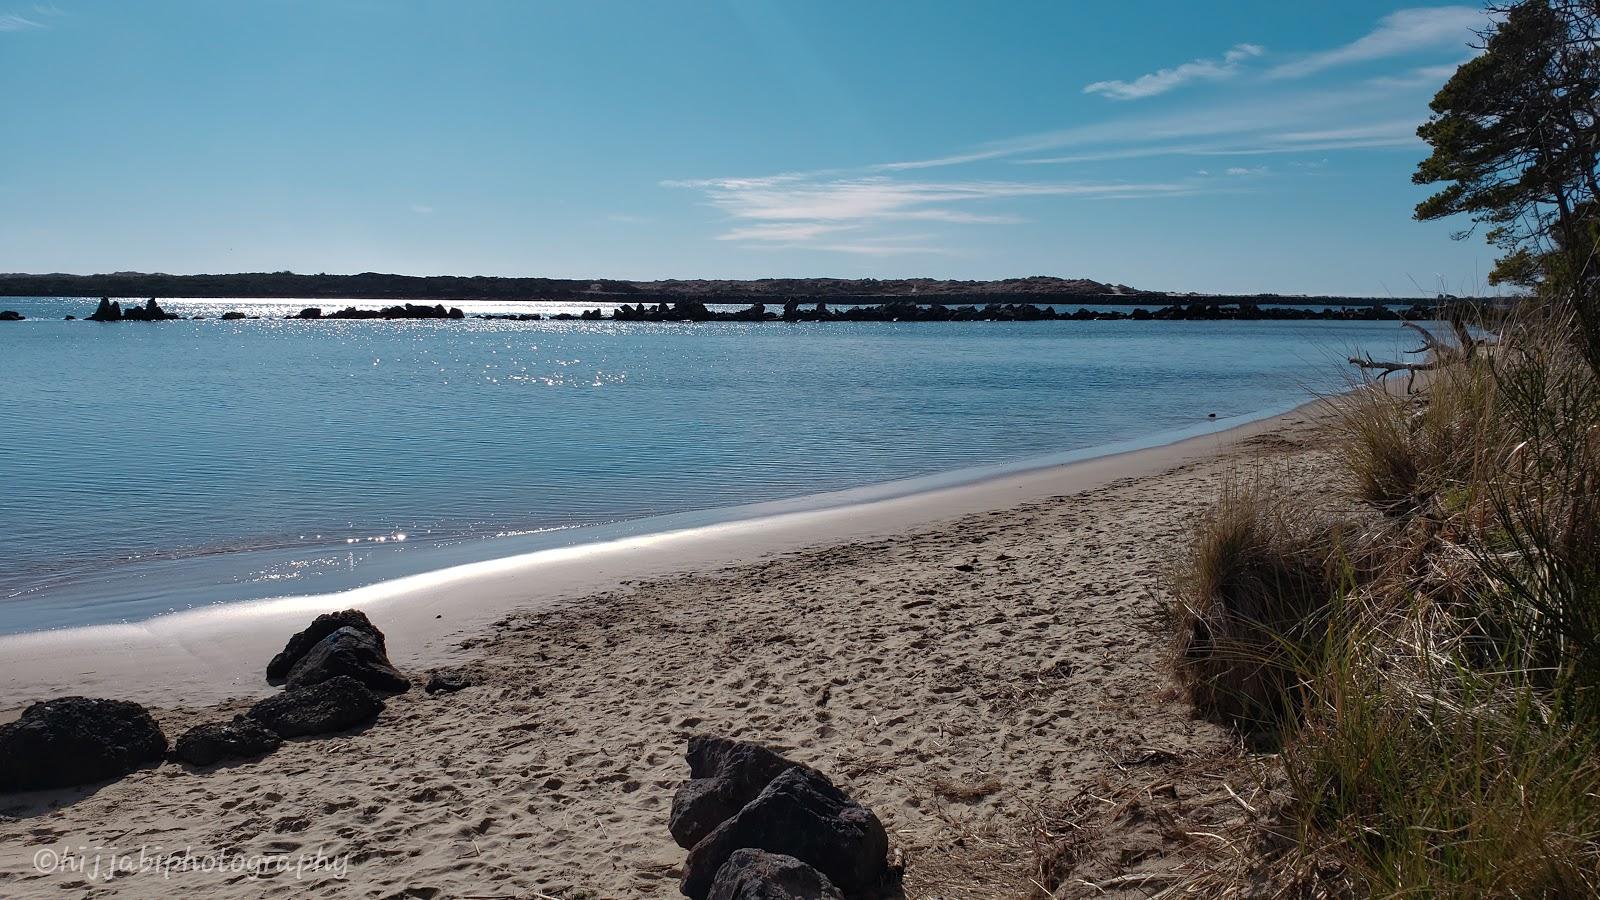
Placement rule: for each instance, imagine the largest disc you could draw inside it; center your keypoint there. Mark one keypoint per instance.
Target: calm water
(152, 466)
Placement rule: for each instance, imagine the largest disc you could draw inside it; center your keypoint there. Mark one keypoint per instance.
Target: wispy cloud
(787, 232)
(1164, 80)
(901, 246)
(1396, 129)
(422, 209)
(795, 210)
(868, 209)
(1423, 76)
(793, 198)
(14, 22)
(33, 19)
(1401, 32)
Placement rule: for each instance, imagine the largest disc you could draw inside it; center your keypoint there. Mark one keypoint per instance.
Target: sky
(1233, 147)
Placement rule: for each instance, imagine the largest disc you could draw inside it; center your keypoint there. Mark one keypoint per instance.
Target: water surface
(152, 466)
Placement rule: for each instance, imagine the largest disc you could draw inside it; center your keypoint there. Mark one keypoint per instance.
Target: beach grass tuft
(1253, 597)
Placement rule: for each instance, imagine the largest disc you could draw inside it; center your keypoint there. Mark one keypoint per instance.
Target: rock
(151, 311)
(77, 740)
(320, 627)
(212, 742)
(447, 681)
(232, 315)
(799, 814)
(348, 651)
(11, 315)
(724, 775)
(332, 705)
(108, 311)
(310, 312)
(758, 875)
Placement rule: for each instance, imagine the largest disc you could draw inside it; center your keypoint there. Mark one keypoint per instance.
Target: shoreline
(201, 581)
(982, 666)
(206, 655)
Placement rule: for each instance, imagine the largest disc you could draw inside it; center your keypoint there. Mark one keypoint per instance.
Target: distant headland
(779, 291)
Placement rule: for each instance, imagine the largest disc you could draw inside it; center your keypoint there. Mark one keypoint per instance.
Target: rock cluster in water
(111, 311)
(757, 825)
(11, 315)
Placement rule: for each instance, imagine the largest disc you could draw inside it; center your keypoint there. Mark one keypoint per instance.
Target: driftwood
(1440, 353)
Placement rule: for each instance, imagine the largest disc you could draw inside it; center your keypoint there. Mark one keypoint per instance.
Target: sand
(982, 666)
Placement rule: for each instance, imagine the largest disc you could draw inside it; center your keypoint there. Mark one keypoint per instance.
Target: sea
(154, 467)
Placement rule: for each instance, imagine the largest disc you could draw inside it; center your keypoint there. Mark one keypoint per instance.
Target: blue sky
(1173, 145)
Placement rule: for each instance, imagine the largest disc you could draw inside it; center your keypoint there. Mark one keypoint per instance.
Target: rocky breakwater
(405, 311)
(909, 311)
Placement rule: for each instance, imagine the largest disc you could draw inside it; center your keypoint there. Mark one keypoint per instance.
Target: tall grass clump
(1458, 785)
(1404, 452)
(1254, 593)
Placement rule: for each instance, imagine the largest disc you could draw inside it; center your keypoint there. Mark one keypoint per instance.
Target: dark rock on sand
(758, 875)
(11, 315)
(212, 742)
(800, 814)
(320, 627)
(77, 740)
(724, 775)
(447, 681)
(348, 651)
(332, 705)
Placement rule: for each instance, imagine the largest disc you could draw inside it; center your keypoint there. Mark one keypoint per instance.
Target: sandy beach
(982, 665)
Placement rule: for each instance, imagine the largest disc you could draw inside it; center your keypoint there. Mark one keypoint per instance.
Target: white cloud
(1166, 79)
(789, 232)
(1401, 32)
(1430, 76)
(882, 198)
(14, 22)
(1401, 130)
(867, 209)
(868, 248)
(421, 209)
(810, 211)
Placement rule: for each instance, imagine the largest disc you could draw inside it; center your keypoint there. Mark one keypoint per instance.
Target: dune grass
(1437, 674)
(1254, 594)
